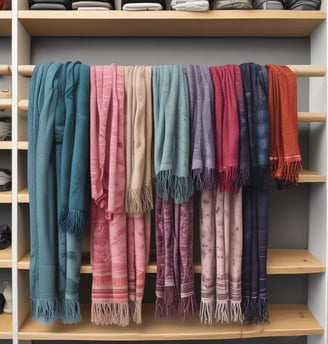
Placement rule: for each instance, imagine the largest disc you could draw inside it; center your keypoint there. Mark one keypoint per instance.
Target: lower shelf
(6, 326)
(285, 320)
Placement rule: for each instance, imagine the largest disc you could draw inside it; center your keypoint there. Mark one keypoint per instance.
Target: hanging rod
(300, 70)
(5, 69)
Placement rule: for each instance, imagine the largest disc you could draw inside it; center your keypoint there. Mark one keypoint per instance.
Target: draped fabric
(285, 157)
(58, 178)
(174, 256)
(202, 139)
(255, 194)
(225, 79)
(108, 219)
(171, 133)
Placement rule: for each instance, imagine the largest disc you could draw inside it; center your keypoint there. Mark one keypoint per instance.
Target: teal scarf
(58, 181)
(171, 133)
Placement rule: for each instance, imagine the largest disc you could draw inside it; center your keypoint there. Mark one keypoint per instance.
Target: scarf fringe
(71, 311)
(170, 186)
(72, 221)
(204, 178)
(228, 179)
(187, 306)
(159, 308)
(110, 314)
(236, 314)
(139, 201)
(222, 311)
(206, 312)
(289, 171)
(244, 176)
(170, 301)
(255, 310)
(135, 311)
(45, 311)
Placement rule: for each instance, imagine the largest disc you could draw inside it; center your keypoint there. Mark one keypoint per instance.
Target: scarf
(58, 176)
(221, 237)
(171, 133)
(139, 198)
(202, 141)
(285, 158)
(174, 257)
(255, 195)
(227, 125)
(108, 218)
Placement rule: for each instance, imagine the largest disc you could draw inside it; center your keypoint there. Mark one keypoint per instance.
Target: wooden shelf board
(23, 196)
(285, 320)
(6, 257)
(5, 23)
(256, 23)
(4, 145)
(5, 196)
(308, 176)
(5, 104)
(280, 261)
(5, 69)
(22, 145)
(6, 326)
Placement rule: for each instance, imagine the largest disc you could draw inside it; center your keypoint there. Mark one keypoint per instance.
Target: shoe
(5, 129)
(268, 4)
(5, 94)
(2, 303)
(5, 179)
(5, 237)
(6, 290)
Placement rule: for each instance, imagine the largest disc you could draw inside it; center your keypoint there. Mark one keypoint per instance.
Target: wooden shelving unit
(5, 197)
(236, 23)
(6, 257)
(6, 326)
(290, 320)
(5, 23)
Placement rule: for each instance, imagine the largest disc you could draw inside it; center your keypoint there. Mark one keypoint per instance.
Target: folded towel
(49, 4)
(268, 4)
(230, 4)
(141, 5)
(302, 4)
(190, 5)
(92, 5)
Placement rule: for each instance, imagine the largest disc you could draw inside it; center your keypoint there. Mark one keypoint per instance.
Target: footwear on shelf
(5, 179)
(6, 291)
(5, 237)
(5, 129)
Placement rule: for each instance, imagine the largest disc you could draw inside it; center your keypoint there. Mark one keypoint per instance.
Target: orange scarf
(285, 157)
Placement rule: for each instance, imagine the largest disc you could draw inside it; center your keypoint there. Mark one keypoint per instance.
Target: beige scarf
(138, 92)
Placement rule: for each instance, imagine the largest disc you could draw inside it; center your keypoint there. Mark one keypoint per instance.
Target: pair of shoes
(5, 129)
(6, 299)
(5, 179)
(287, 4)
(5, 237)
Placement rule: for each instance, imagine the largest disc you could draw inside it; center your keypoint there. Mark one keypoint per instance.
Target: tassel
(222, 312)
(187, 306)
(72, 221)
(206, 312)
(110, 314)
(170, 301)
(204, 178)
(45, 311)
(71, 311)
(159, 308)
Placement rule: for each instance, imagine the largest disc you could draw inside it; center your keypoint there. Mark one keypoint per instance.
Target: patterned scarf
(285, 158)
(58, 176)
(174, 255)
(139, 198)
(108, 218)
(225, 79)
(202, 140)
(255, 194)
(221, 235)
(171, 133)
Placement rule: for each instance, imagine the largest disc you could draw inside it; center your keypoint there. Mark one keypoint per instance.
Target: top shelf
(215, 23)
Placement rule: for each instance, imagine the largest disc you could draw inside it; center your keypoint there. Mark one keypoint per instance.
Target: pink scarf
(221, 256)
(225, 80)
(108, 218)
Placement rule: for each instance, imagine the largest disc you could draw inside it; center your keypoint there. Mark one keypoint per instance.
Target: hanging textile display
(285, 157)
(58, 179)
(202, 137)
(255, 194)
(108, 218)
(139, 174)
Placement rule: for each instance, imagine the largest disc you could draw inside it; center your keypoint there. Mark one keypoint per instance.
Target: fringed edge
(139, 201)
(170, 186)
(110, 313)
(206, 312)
(228, 179)
(45, 311)
(236, 313)
(255, 310)
(159, 308)
(71, 311)
(171, 301)
(187, 306)
(72, 221)
(289, 174)
(222, 311)
(136, 311)
(244, 176)
(204, 178)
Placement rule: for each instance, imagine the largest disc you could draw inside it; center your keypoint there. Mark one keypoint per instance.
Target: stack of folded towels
(190, 5)
(230, 4)
(143, 5)
(49, 4)
(287, 4)
(90, 5)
